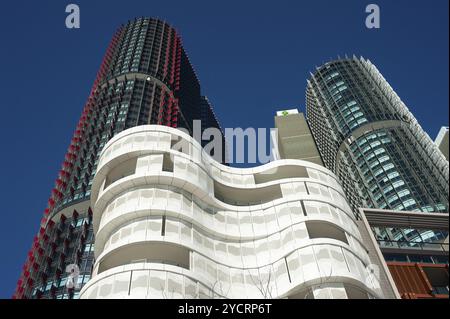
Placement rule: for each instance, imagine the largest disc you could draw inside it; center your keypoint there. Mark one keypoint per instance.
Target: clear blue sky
(252, 58)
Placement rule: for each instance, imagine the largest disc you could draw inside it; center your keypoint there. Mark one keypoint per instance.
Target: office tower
(442, 141)
(368, 137)
(145, 78)
(294, 139)
(177, 224)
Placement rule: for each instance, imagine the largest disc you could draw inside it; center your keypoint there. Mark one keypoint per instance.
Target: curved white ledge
(241, 262)
(213, 227)
(153, 280)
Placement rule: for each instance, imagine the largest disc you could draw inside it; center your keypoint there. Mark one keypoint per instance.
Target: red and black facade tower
(145, 78)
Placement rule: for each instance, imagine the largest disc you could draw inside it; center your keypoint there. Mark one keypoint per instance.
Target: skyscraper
(145, 78)
(369, 138)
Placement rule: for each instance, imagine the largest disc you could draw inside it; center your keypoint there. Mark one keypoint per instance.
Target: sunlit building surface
(173, 223)
(368, 137)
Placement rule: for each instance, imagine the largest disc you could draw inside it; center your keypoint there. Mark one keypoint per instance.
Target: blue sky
(252, 58)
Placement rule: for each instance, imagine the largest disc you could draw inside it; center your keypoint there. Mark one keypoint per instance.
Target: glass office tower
(145, 78)
(369, 138)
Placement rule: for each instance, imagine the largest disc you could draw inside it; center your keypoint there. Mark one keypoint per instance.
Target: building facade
(209, 120)
(293, 139)
(145, 78)
(415, 246)
(412, 247)
(368, 137)
(174, 223)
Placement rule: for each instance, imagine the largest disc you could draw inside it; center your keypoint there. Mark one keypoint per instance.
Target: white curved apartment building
(176, 224)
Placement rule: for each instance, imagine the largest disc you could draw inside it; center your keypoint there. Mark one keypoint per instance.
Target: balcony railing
(443, 247)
